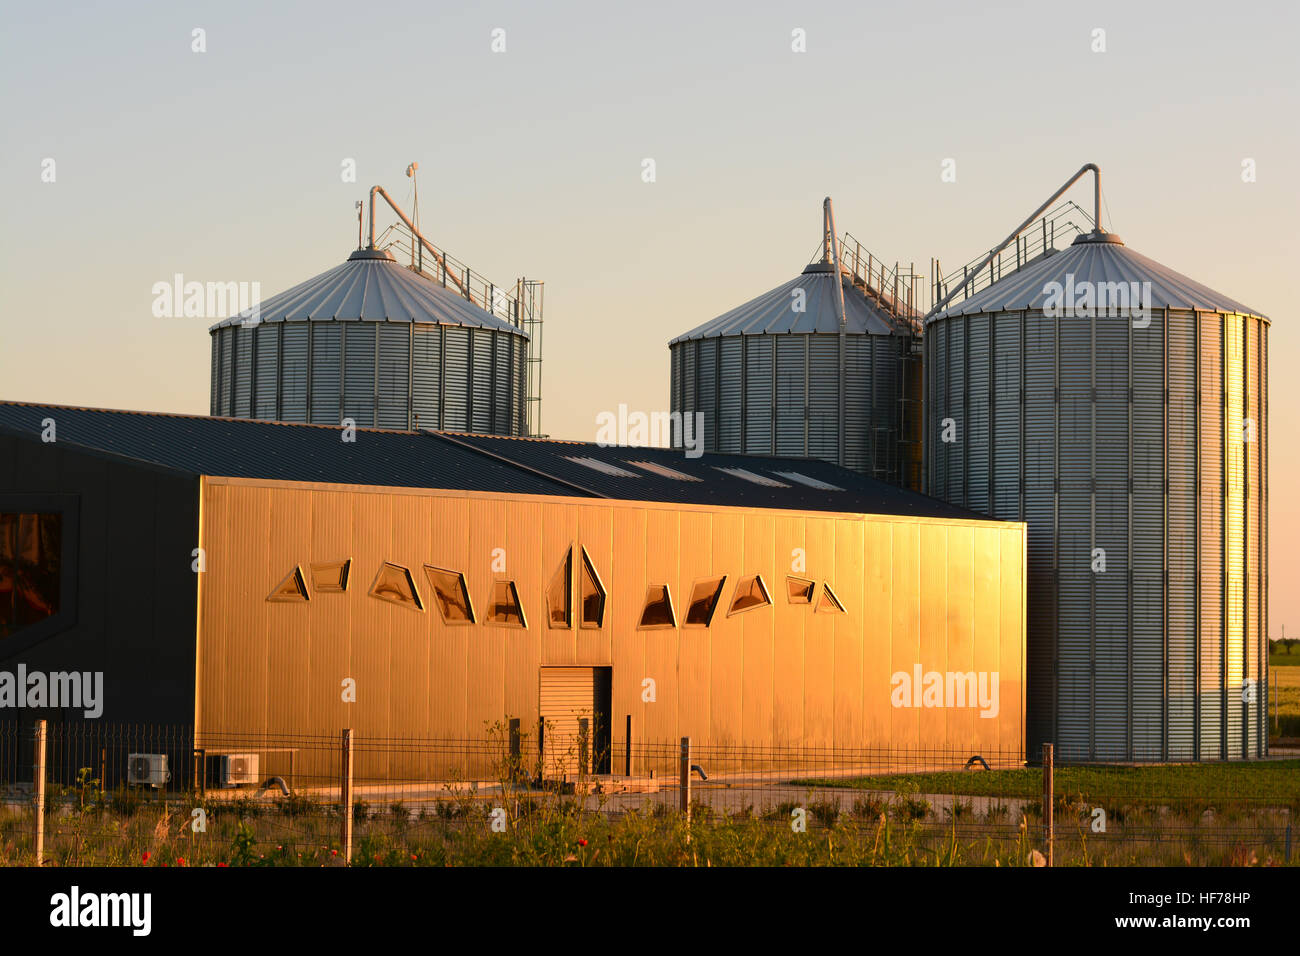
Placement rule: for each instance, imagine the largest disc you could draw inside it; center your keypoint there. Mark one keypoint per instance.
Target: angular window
(704, 601)
(593, 595)
(559, 594)
(504, 607)
(658, 611)
(799, 590)
(829, 602)
(750, 593)
(291, 588)
(331, 576)
(393, 584)
(451, 595)
(31, 556)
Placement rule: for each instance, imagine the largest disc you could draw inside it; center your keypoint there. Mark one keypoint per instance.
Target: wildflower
(145, 858)
(180, 861)
(334, 852)
(223, 864)
(582, 841)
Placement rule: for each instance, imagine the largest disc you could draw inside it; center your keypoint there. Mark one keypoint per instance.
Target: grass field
(1275, 782)
(548, 831)
(1287, 680)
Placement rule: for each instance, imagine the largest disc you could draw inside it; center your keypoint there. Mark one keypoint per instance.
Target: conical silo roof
(772, 313)
(1096, 257)
(371, 287)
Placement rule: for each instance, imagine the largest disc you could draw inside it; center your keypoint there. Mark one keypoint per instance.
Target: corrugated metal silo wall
(1103, 437)
(389, 374)
(778, 395)
(945, 595)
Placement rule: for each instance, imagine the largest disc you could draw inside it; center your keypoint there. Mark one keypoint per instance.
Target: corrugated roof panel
(782, 310)
(371, 286)
(1098, 261)
(243, 448)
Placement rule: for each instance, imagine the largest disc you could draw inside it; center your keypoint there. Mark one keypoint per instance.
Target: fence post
(1049, 802)
(345, 796)
(39, 778)
(686, 785)
(627, 749)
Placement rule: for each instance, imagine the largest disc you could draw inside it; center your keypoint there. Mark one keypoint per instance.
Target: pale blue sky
(225, 165)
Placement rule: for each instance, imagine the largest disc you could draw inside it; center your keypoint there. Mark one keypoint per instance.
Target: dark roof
(242, 448)
(855, 493)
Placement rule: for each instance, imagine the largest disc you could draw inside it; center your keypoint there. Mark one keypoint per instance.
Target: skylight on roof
(664, 471)
(595, 464)
(810, 482)
(753, 477)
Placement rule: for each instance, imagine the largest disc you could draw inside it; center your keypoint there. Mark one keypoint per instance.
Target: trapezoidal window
(751, 593)
(829, 602)
(451, 595)
(799, 590)
(593, 595)
(504, 608)
(658, 611)
(331, 576)
(31, 569)
(559, 594)
(394, 584)
(704, 601)
(292, 588)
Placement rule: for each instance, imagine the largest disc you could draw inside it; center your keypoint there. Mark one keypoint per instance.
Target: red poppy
(223, 864)
(581, 842)
(180, 861)
(145, 857)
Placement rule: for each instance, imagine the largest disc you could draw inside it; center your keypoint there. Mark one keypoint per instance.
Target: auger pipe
(455, 279)
(1096, 227)
(833, 250)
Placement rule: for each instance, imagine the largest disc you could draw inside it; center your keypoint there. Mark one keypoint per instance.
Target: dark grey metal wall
(134, 604)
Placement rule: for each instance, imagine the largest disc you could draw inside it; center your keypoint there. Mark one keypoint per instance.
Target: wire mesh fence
(162, 795)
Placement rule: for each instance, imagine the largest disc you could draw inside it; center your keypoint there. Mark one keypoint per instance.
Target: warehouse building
(256, 578)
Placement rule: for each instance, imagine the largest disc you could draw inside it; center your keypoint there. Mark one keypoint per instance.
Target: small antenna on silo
(415, 185)
(360, 216)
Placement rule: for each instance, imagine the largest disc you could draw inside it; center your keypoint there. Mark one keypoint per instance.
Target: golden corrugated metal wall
(947, 595)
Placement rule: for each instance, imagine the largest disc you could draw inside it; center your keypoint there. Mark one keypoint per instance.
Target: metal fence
(114, 794)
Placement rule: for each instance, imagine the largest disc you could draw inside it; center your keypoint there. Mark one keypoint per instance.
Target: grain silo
(1120, 409)
(823, 366)
(379, 343)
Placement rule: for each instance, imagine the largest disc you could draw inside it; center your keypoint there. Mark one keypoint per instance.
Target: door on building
(575, 714)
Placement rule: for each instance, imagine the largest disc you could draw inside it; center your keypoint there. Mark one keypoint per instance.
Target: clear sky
(226, 165)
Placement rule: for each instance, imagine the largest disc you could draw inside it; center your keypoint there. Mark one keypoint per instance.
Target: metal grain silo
(822, 366)
(1133, 440)
(377, 343)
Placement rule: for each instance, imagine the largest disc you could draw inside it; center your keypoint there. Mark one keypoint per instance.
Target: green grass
(1284, 653)
(1228, 783)
(1287, 699)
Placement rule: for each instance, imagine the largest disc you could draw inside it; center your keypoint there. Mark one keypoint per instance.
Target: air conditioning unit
(147, 769)
(237, 769)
